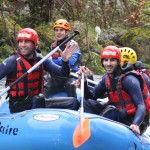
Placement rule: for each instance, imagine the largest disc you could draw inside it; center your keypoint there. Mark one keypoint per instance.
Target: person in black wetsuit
(129, 55)
(27, 93)
(125, 88)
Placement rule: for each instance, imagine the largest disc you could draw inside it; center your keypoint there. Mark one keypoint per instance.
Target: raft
(52, 129)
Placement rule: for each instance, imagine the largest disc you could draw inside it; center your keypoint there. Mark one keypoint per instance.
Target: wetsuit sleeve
(7, 66)
(52, 68)
(147, 80)
(97, 91)
(132, 86)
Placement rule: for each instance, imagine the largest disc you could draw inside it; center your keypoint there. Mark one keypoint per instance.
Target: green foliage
(46, 35)
(146, 13)
(133, 3)
(5, 51)
(131, 37)
(139, 40)
(93, 62)
(40, 14)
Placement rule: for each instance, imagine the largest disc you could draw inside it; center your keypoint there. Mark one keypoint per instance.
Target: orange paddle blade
(82, 133)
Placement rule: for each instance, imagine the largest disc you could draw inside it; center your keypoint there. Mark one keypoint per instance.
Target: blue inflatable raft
(52, 129)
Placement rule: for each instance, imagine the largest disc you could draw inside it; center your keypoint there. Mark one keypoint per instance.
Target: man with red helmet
(61, 31)
(127, 92)
(27, 93)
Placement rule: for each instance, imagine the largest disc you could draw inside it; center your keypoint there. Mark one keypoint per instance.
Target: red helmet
(28, 34)
(62, 23)
(111, 52)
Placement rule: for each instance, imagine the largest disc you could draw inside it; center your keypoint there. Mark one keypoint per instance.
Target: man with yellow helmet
(129, 55)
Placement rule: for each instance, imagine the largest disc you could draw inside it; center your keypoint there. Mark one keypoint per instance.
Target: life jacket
(139, 66)
(31, 84)
(145, 71)
(121, 99)
(62, 47)
(56, 54)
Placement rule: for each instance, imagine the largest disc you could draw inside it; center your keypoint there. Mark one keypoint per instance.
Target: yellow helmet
(128, 55)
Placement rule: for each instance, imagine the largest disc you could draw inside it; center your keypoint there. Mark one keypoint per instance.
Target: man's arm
(97, 92)
(52, 68)
(133, 88)
(7, 66)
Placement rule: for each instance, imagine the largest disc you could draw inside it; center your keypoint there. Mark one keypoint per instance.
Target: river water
(2, 88)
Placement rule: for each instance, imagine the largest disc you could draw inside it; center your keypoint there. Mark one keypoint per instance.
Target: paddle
(82, 132)
(39, 63)
(90, 81)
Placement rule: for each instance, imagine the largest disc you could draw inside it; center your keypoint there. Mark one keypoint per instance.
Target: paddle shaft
(82, 132)
(88, 80)
(82, 95)
(39, 63)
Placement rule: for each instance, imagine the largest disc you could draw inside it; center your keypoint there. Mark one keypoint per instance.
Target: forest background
(124, 23)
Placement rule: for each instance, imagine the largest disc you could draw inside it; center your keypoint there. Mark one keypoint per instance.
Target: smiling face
(110, 65)
(26, 47)
(60, 33)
